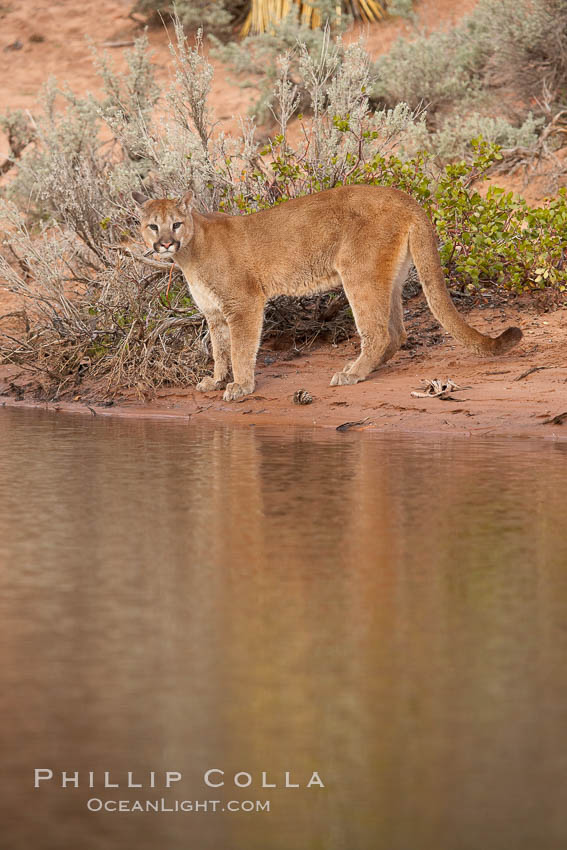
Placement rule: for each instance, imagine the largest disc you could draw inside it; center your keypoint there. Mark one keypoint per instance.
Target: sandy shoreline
(499, 399)
(547, 432)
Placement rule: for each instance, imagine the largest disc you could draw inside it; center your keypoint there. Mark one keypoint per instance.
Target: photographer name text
(212, 778)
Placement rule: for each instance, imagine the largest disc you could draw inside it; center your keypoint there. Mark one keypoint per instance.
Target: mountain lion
(360, 237)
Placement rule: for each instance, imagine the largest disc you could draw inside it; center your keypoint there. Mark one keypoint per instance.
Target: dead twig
(556, 420)
(19, 137)
(530, 372)
(127, 252)
(346, 426)
(528, 158)
(118, 43)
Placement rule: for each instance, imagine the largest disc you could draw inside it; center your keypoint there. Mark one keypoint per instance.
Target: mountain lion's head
(166, 224)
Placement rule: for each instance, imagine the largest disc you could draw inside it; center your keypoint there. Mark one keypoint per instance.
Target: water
(389, 612)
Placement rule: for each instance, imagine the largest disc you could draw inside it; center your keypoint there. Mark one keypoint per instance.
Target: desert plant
(258, 16)
(445, 74)
(219, 16)
(520, 41)
(451, 141)
(427, 71)
(255, 59)
(528, 41)
(266, 15)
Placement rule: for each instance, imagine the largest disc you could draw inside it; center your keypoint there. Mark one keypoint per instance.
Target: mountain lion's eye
(176, 225)
(153, 227)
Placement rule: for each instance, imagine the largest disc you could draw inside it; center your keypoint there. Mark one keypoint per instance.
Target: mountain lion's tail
(423, 248)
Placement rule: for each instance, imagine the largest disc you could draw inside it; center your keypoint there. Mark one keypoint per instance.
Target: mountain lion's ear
(186, 201)
(139, 198)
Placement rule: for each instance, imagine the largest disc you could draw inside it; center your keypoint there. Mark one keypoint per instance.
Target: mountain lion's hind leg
(245, 329)
(396, 327)
(371, 311)
(220, 344)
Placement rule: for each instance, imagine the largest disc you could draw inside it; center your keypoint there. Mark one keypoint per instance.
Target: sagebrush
(513, 45)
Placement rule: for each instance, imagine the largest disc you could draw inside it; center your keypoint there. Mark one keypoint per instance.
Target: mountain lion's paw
(235, 391)
(208, 385)
(341, 379)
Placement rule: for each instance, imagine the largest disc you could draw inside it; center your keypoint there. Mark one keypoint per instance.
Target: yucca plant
(264, 14)
(258, 16)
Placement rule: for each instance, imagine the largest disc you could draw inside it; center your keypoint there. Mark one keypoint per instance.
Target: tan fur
(360, 237)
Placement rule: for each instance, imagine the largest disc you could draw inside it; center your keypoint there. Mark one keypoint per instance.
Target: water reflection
(390, 612)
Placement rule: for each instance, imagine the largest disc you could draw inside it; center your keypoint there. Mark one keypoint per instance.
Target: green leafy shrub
(496, 239)
(488, 241)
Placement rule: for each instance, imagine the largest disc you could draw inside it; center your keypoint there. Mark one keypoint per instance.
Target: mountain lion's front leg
(220, 344)
(245, 329)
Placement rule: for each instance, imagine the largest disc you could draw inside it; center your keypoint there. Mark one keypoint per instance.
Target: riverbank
(522, 393)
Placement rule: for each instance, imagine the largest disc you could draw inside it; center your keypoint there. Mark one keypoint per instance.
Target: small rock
(15, 45)
(302, 397)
